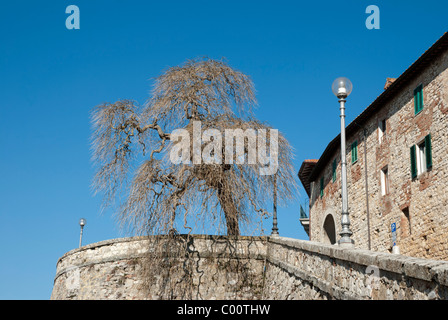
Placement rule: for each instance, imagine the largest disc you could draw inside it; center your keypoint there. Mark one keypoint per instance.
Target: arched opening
(329, 230)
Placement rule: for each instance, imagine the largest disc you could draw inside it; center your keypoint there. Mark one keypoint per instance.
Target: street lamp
(274, 221)
(341, 88)
(82, 223)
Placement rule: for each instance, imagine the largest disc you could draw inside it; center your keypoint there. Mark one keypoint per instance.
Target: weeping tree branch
(156, 190)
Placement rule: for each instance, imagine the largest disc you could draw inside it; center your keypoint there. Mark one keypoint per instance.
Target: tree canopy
(133, 147)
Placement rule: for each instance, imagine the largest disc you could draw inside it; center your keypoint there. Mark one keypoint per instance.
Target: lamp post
(82, 223)
(341, 88)
(274, 220)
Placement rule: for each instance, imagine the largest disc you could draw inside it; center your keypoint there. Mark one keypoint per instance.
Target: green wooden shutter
(413, 162)
(418, 99)
(428, 151)
(415, 101)
(334, 170)
(354, 151)
(321, 187)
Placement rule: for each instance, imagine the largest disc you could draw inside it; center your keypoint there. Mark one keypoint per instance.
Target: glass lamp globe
(342, 87)
(82, 222)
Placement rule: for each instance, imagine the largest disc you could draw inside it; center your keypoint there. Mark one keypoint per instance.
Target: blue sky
(51, 78)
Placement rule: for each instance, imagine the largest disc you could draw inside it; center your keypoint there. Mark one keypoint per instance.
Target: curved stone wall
(230, 268)
(110, 270)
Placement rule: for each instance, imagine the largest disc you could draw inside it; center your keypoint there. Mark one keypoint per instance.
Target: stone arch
(329, 229)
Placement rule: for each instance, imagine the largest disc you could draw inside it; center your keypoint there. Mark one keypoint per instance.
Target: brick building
(397, 167)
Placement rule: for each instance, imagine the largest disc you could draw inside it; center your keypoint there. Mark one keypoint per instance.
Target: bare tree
(131, 145)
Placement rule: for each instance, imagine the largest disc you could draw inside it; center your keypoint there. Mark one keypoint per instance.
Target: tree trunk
(230, 211)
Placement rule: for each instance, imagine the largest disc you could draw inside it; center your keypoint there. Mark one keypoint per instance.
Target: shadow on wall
(329, 230)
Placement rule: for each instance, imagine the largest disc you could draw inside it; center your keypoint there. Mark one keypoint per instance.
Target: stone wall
(273, 269)
(218, 268)
(306, 270)
(419, 206)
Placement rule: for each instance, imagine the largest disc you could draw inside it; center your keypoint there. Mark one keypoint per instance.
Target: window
(381, 130)
(335, 164)
(354, 151)
(418, 99)
(421, 157)
(321, 187)
(384, 181)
